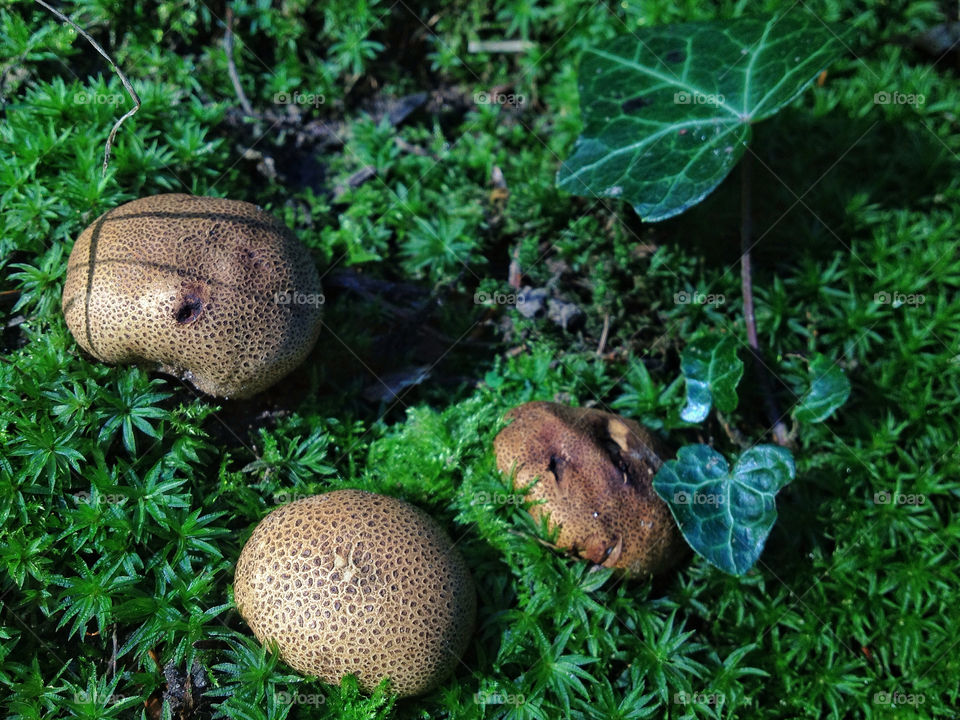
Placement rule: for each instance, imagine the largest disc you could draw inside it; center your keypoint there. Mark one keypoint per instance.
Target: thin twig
(123, 79)
(603, 334)
(232, 66)
(514, 273)
(733, 433)
(354, 181)
(499, 46)
(540, 540)
(414, 149)
(746, 230)
(746, 283)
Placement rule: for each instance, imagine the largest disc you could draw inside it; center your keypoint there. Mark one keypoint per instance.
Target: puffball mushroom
(213, 291)
(594, 473)
(354, 582)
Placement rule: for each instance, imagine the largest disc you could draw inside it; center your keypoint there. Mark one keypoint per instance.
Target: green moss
(125, 498)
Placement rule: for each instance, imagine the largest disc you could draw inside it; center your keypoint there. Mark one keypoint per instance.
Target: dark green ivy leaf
(712, 372)
(828, 389)
(668, 110)
(725, 515)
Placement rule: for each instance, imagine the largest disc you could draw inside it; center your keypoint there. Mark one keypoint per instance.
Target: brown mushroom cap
(354, 582)
(594, 471)
(209, 290)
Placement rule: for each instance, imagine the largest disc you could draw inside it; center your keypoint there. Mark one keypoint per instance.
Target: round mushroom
(593, 472)
(213, 291)
(354, 582)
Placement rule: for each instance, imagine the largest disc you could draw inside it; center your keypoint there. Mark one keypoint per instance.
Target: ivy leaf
(725, 515)
(712, 372)
(828, 390)
(668, 110)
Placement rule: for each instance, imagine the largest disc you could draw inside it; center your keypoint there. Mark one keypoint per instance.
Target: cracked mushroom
(593, 472)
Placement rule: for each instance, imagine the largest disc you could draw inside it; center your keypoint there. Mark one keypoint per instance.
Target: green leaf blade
(828, 390)
(668, 110)
(725, 515)
(712, 371)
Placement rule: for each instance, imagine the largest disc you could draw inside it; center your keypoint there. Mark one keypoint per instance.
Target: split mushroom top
(209, 290)
(594, 473)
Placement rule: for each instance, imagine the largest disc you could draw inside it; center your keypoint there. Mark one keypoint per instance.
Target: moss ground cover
(419, 171)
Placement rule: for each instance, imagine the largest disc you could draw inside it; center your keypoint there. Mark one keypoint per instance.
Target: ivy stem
(763, 373)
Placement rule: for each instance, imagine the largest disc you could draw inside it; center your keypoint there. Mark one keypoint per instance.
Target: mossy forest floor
(417, 171)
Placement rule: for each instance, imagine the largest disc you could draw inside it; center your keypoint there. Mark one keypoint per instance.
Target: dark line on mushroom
(88, 291)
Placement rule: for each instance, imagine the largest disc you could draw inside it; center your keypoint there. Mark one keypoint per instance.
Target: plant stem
(746, 284)
(232, 65)
(123, 79)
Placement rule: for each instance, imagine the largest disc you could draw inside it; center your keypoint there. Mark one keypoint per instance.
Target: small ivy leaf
(712, 371)
(667, 110)
(828, 390)
(725, 516)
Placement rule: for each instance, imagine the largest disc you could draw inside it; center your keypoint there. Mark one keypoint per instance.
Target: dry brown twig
(603, 334)
(123, 79)
(232, 65)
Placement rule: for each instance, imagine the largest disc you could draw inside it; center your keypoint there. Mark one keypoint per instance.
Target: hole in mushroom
(191, 308)
(136, 297)
(556, 463)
